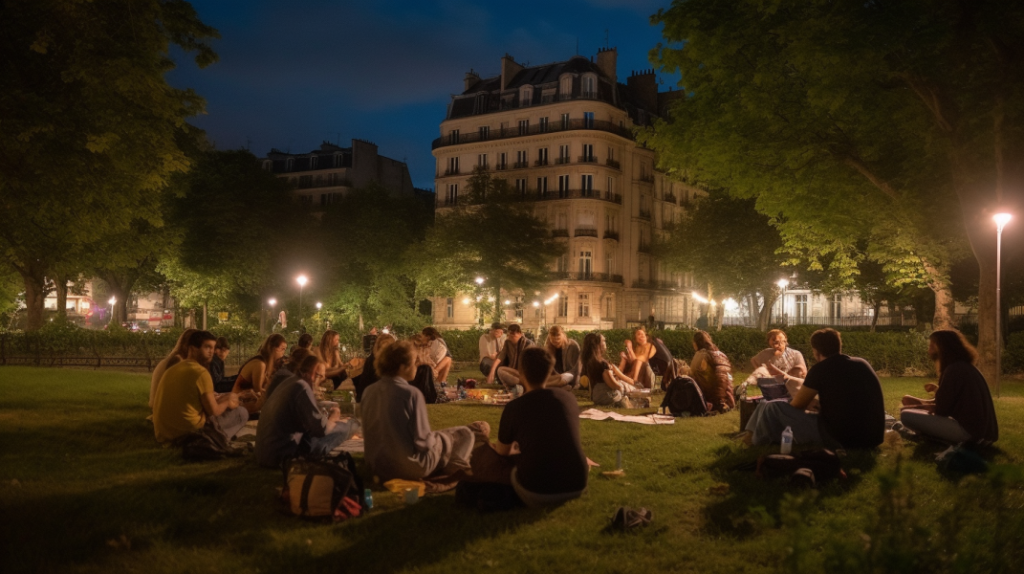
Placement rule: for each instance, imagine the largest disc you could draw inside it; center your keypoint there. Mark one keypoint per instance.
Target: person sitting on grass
(506, 365)
(185, 401)
(396, 427)
(178, 353)
(292, 422)
(369, 375)
(330, 352)
(221, 384)
(852, 408)
(440, 357)
(287, 370)
(779, 357)
(566, 352)
(550, 467)
(711, 369)
(255, 374)
(305, 342)
(962, 411)
(490, 345)
(608, 385)
(635, 360)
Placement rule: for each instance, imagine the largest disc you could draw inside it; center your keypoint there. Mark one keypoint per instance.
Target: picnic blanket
(651, 419)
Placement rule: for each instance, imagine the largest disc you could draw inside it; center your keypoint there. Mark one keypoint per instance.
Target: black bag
(208, 443)
(747, 405)
(810, 467)
(323, 489)
(424, 381)
(662, 358)
(684, 398)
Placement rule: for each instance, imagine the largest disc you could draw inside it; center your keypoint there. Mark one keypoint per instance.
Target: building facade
(562, 135)
(323, 176)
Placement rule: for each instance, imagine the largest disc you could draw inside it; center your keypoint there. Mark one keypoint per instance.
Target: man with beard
(185, 401)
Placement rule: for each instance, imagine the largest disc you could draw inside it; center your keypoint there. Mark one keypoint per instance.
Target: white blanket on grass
(651, 419)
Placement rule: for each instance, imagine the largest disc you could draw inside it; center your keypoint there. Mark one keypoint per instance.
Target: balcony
(587, 159)
(646, 178)
(612, 163)
(520, 165)
(560, 233)
(540, 162)
(579, 194)
(644, 248)
(669, 197)
(645, 214)
(451, 171)
(501, 167)
(598, 277)
(585, 232)
(562, 160)
(513, 132)
(611, 235)
(663, 284)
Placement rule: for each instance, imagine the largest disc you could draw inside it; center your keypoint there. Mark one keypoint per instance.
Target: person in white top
(491, 344)
(781, 361)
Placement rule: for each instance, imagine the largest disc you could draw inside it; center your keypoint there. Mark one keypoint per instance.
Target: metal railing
(559, 233)
(612, 163)
(611, 235)
(655, 284)
(587, 159)
(585, 232)
(572, 276)
(576, 194)
(514, 132)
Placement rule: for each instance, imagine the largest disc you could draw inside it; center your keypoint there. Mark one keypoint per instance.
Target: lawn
(85, 488)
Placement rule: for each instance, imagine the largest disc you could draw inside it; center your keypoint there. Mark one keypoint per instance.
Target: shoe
(627, 518)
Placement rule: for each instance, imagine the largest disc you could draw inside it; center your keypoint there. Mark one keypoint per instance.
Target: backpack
(207, 443)
(684, 398)
(424, 381)
(718, 390)
(322, 489)
(662, 359)
(807, 468)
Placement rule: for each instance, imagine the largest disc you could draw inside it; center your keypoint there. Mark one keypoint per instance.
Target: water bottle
(787, 441)
(368, 498)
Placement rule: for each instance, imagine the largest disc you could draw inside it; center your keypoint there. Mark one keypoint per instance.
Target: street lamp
(479, 280)
(1001, 220)
(301, 280)
(782, 283)
(272, 302)
(112, 301)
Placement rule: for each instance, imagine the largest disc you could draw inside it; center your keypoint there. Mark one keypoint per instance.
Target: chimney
(472, 79)
(509, 69)
(643, 87)
(606, 58)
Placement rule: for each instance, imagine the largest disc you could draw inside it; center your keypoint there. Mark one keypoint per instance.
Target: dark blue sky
(294, 73)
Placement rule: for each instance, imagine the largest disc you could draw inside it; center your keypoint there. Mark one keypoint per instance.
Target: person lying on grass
(852, 408)
(962, 411)
(292, 422)
(396, 428)
(550, 467)
(185, 401)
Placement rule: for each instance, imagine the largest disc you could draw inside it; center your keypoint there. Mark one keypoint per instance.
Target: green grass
(81, 479)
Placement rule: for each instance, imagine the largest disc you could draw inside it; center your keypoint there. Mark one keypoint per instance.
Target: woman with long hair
(608, 385)
(962, 410)
(634, 361)
(713, 372)
(256, 373)
(438, 354)
(566, 353)
(330, 353)
(369, 374)
(178, 353)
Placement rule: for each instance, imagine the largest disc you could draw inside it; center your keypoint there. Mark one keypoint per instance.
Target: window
(565, 121)
(609, 265)
(525, 96)
(611, 187)
(524, 127)
(565, 88)
(583, 309)
(563, 154)
(453, 137)
(563, 305)
(502, 161)
(563, 186)
(268, 165)
(547, 96)
(608, 308)
(588, 152)
(586, 264)
(542, 156)
(453, 166)
(542, 185)
(522, 158)
(521, 186)
(453, 194)
(544, 124)
(589, 86)
(450, 311)
(312, 162)
(587, 184)
(835, 306)
(563, 263)
(588, 120)
(481, 160)
(611, 222)
(289, 164)
(485, 132)
(611, 153)
(800, 301)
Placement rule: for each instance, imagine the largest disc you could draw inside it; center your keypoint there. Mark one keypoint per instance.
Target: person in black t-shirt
(852, 408)
(551, 467)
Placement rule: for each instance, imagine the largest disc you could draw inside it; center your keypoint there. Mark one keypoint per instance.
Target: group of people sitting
(838, 402)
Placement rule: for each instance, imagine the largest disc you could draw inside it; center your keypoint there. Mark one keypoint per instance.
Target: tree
(493, 235)
(727, 244)
(89, 124)
(126, 260)
(897, 124)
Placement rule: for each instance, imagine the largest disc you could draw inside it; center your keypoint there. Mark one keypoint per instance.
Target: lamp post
(272, 302)
(1001, 220)
(782, 283)
(301, 280)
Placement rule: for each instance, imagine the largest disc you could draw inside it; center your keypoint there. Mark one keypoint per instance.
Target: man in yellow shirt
(185, 401)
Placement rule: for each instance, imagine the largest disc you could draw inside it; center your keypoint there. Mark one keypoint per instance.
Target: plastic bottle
(787, 441)
(368, 498)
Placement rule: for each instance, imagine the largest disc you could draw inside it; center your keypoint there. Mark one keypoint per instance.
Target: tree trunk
(499, 309)
(35, 293)
(60, 285)
(764, 318)
(876, 307)
(753, 311)
(205, 312)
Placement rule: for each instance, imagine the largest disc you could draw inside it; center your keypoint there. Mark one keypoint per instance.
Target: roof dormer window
(565, 87)
(525, 96)
(589, 86)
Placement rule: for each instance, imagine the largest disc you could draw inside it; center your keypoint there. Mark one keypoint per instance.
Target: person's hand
(232, 400)
(334, 415)
(629, 344)
(622, 355)
(490, 379)
(775, 371)
(931, 387)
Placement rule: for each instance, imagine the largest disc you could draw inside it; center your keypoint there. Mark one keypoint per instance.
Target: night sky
(295, 73)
